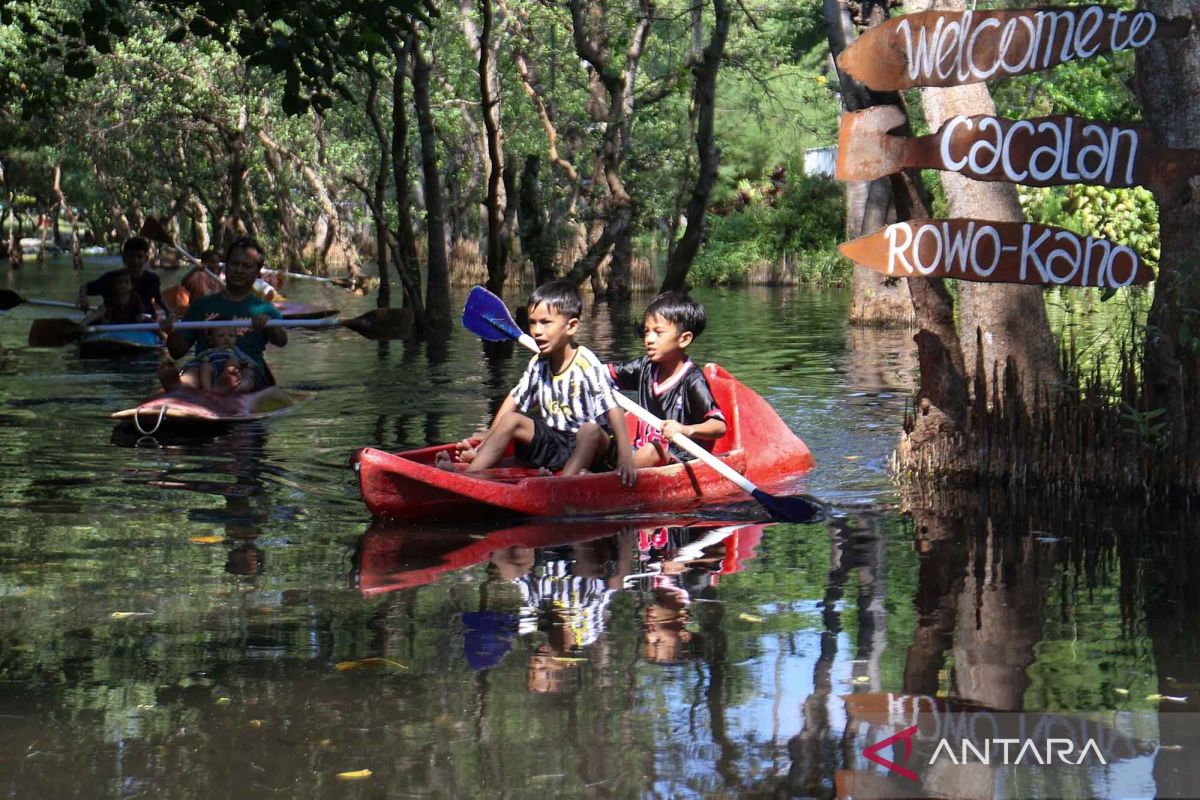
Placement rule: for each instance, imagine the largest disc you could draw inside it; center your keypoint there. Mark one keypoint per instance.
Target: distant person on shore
(136, 254)
(243, 260)
(668, 384)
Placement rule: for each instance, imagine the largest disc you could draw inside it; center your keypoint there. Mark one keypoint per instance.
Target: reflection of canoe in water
(391, 556)
(192, 407)
(758, 444)
(178, 299)
(112, 343)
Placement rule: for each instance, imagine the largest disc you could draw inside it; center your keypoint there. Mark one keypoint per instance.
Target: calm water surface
(211, 617)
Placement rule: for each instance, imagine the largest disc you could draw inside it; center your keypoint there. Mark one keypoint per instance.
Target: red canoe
(392, 557)
(758, 444)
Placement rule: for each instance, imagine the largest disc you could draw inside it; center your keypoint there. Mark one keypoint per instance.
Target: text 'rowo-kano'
(997, 252)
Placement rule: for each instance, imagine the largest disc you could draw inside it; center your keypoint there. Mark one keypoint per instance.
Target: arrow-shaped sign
(997, 252)
(950, 48)
(1046, 151)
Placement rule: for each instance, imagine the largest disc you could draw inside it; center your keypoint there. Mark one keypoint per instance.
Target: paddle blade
(153, 230)
(486, 316)
(382, 323)
(9, 300)
(54, 332)
(796, 508)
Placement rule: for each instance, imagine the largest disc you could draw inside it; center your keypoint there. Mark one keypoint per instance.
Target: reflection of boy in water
(552, 669)
(667, 637)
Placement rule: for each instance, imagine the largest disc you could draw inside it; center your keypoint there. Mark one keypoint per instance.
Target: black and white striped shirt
(579, 394)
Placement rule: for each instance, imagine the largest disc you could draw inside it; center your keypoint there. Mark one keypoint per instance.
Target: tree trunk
(877, 299)
(1008, 321)
(201, 226)
(594, 49)
(437, 289)
(289, 234)
(336, 232)
(1168, 77)
(704, 99)
(533, 223)
(404, 254)
(489, 94)
(76, 257)
(235, 143)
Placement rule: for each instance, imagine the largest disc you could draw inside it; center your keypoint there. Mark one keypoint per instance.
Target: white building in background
(819, 162)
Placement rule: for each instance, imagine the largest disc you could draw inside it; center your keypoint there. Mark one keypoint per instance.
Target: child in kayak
(121, 303)
(668, 384)
(572, 391)
(223, 368)
(136, 254)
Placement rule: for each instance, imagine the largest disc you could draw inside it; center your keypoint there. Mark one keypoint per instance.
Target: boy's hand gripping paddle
(487, 317)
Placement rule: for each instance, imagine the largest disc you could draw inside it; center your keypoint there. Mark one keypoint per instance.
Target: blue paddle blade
(486, 316)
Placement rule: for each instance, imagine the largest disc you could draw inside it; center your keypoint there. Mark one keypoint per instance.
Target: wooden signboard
(950, 48)
(1046, 151)
(997, 252)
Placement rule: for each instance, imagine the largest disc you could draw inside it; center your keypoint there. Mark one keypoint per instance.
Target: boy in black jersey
(668, 384)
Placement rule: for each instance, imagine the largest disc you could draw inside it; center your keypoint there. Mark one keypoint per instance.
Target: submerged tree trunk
(437, 289)
(593, 47)
(999, 322)
(704, 99)
(533, 223)
(76, 256)
(288, 231)
(877, 300)
(497, 196)
(336, 232)
(404, 254)
(1168, 76)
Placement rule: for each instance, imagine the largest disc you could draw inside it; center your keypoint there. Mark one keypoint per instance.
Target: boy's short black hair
(560, 295)
(680, 310)
(135, 244)
(246, 243)
(207, 254)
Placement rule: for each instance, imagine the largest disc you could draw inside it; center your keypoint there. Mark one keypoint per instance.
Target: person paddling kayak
(243, 261)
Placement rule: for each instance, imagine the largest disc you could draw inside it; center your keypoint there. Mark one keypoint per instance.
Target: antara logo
(872, 752)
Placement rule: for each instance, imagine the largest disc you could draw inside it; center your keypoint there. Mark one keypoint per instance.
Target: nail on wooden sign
(950, 48)
(1046, 151)
(997, 252)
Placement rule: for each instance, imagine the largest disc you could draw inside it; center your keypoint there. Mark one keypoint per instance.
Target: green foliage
(805, 222)
(1126, 216)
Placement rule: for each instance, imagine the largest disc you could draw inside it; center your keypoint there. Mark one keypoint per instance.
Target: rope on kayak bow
(137, 422)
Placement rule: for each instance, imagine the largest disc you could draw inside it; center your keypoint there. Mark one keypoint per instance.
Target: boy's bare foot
(443, 461)
(544, 472)
(168, 374)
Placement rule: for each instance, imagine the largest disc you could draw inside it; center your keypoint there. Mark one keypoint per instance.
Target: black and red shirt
(684, 397)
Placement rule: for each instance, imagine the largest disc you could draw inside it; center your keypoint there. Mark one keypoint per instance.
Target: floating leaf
(206, 539)
(1121, 691)
(356, 775)
(862, 679)
(256, 723)
(567, 660)
(744, 617)
(223, 701)
(130, 614)
(367, 663)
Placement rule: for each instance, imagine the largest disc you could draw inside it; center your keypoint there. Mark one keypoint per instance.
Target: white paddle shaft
(683, 442)
(327, 322)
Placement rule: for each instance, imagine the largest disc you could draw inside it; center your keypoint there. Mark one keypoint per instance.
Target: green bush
(803, 220)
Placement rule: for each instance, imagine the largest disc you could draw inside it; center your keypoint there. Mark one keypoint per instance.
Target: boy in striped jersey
(572, 390)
